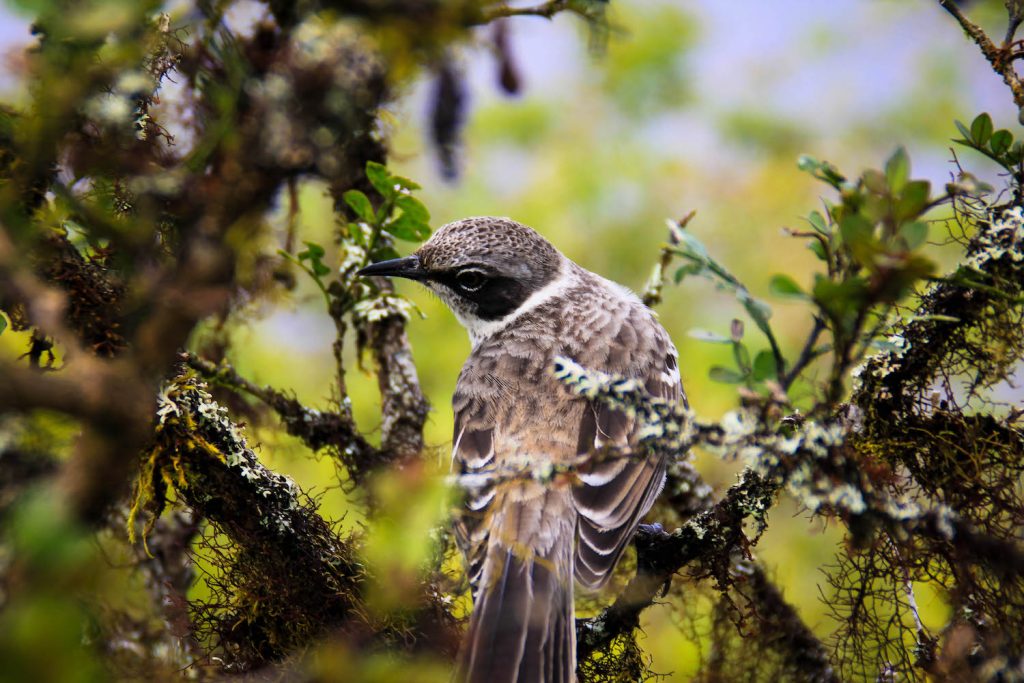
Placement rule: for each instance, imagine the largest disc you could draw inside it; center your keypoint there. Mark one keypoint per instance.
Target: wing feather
(617, 493)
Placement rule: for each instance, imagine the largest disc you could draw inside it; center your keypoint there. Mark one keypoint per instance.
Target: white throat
(479, 330)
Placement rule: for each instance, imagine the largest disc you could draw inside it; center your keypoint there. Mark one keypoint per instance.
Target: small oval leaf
(380, 178)
(981, 129)
(785, 286)
(360, 204)
(897, 170)
(817, 222)
(914, 233)
(724, 375)
(1000, 142)
(764, 366)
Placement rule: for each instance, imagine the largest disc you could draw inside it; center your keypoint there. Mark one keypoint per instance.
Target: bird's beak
(408, 267)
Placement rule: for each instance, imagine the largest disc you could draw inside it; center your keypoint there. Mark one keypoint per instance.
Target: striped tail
(522, 628)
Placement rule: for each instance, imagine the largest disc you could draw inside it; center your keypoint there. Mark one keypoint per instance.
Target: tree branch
(404, 408)
(316, 428)
(292, 576)
(996, 56)
(545, 10)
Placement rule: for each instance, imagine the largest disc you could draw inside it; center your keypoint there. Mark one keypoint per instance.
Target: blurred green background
(692, 106)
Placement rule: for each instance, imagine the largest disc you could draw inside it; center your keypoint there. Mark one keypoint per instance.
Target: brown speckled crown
(509, 246)
(516, 260)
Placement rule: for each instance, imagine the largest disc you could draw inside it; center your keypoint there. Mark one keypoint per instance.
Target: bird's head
(484, 268)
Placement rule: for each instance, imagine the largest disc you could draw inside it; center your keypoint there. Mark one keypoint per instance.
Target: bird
(526, 536)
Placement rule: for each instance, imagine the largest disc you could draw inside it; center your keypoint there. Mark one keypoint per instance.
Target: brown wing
(473, 455)
(616, 494)
(517, 536)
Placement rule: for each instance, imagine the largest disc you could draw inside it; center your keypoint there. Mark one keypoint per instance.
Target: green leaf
(897, 170)
(313, 251)
(724, 375)
(807, 163)
(356, 234)
(875, 181)
(818, 248)
(856, 230)
(3, 324)
(409, 229)
(963, 131)
(320, 269)
(876, 207)
(822, 170)
(764, 366)
(901, 280)
(741, 356)
(831, 175)
(817, 222)
(914, 233)
(405, 183)
(842, 299)
(360, 204)
(1000, 142)
(687, 269)
(758, 310)
(385, 252)
(380, 178)
(981, 129)
(913, 200)
(786, 287)
(413, 208)
(709, 336)
(693, 247)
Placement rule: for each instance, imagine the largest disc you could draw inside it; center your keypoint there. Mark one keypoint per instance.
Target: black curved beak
(408, 267)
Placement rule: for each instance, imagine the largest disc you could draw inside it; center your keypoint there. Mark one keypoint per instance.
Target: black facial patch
(496, 298)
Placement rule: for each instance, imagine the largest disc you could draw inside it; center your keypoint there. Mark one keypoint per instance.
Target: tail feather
(522, 628)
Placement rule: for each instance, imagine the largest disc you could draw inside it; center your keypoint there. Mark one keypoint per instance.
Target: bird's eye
(470, 280)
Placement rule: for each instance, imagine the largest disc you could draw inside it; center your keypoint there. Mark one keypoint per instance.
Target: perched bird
(526, 535)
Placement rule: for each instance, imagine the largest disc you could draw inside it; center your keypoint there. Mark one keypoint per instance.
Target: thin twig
(807, 354)
(652, 292)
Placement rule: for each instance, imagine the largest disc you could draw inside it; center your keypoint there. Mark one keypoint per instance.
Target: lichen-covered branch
(819, 465)
(286, 576)
(290, 576)
(317, 429)
(404, 408)
(971, 321)
(712, 538)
